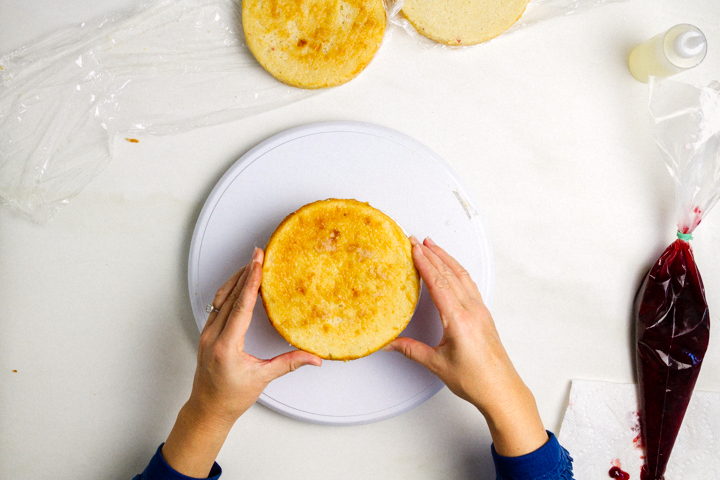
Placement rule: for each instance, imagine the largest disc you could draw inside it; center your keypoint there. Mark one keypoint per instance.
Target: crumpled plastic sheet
(167, 67)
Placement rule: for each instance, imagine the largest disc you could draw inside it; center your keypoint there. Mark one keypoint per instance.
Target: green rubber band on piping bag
(686, 237)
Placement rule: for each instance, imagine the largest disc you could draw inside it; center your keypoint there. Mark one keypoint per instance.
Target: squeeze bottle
(680, 48)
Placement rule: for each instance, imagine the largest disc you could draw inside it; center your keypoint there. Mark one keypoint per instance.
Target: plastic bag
(536, 11)
(166, 67)
(672, 319)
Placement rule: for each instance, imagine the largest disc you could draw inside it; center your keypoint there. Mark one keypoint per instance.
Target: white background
(545, 126)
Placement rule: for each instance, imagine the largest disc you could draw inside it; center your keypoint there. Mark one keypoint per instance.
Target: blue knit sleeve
(549, 462)
(158, 469)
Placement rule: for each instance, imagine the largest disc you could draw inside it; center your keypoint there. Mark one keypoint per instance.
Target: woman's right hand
(470, 358)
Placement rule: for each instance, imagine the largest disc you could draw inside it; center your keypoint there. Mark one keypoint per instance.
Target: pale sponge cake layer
(339, 279)
(313, 43)
(462, 22)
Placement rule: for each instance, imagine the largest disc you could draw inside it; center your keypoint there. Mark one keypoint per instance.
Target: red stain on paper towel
(616, 472)
(637, 429)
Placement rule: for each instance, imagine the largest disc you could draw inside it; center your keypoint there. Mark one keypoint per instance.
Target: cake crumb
(132, 140)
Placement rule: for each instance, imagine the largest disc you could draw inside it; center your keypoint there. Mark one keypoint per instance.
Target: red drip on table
(673, 329)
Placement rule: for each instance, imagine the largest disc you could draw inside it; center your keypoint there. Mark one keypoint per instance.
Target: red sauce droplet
(615, 472)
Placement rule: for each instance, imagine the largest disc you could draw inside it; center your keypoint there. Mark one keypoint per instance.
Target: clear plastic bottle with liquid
(680, 48)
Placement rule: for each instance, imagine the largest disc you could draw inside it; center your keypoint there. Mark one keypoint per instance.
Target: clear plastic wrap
(536, 11)
(672, 319)
(166, 67)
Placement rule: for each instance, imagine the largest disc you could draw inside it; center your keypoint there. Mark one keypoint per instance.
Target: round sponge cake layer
(463, 22)
(313, 43)
(339, 279)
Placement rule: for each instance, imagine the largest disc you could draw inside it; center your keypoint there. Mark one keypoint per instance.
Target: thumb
(289, 362)
(414, 350)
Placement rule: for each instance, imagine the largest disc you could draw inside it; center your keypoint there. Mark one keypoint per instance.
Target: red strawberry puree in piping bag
(673, 329)
(671, 318)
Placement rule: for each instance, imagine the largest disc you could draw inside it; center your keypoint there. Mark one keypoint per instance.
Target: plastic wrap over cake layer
(163, 68)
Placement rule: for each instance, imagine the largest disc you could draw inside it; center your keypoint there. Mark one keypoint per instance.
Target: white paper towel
(601, 429)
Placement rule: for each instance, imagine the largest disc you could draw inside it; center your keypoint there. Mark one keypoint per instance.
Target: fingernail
(387, 348)
(430, 242)
(256, 255)
(413, 240)
(418, 248)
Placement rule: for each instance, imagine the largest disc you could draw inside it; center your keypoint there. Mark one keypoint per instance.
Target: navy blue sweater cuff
(549, 462)
(158, 469)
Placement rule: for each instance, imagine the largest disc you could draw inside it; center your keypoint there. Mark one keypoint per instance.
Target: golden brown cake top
(339, 279)
(313, 43)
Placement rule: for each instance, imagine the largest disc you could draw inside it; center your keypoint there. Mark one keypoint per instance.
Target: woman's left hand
(227, 380)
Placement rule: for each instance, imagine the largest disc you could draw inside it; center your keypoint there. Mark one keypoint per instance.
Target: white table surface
(545, 126)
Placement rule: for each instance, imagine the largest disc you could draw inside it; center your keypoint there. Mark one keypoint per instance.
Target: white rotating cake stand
(392, 172)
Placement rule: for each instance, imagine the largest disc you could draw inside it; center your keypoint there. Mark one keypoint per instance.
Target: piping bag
(671, 318)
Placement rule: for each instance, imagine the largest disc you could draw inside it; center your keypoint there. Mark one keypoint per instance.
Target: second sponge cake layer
(463, 22)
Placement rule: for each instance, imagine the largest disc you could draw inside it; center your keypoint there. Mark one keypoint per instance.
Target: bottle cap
(689, 44)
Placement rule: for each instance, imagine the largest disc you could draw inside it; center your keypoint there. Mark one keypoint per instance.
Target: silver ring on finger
(210, 308)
